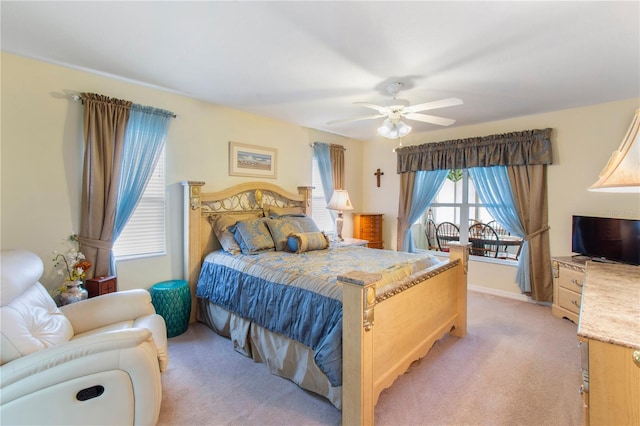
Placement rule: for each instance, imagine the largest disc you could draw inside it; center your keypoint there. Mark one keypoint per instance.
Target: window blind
(320, 213)
(144, 233)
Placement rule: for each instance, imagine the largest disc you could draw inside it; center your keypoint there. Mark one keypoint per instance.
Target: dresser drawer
(371, 220)
(570, 279)
(370, 234)
(569, 300)
(368, 227)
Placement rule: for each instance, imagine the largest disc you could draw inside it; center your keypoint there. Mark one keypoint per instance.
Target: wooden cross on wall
(377, 174)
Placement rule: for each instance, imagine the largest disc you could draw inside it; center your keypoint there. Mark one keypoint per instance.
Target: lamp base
(339, 223)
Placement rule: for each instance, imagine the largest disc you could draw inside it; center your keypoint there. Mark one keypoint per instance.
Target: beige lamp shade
(622, 172)
(340, 200)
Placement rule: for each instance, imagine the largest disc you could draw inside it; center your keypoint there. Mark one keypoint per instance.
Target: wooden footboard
(384, 334)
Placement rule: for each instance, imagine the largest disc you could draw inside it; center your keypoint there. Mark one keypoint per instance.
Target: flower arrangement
(72, 264)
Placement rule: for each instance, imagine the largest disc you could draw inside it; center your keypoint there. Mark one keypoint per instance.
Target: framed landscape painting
(251, 160)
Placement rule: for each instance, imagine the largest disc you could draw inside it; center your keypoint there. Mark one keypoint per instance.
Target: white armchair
(92, 362)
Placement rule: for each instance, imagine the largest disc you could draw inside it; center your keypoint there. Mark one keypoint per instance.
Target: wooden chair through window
(430, 233)
(504, 248)
(484, 240)
(500, 230)
(445, 233)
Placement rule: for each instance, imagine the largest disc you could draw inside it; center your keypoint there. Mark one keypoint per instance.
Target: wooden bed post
(306, 191)
(460, 251)
(191, 244)
(358, 300)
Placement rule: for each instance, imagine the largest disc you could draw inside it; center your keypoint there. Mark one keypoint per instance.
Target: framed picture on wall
(251, 160)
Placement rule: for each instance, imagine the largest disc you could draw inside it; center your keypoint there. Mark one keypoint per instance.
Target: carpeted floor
(518, 365)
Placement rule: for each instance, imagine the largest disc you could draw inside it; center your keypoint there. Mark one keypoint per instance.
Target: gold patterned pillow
(225, 237)
(280, 229)
(307, 241)
(275, 211)
(253, 235)
(306, 223)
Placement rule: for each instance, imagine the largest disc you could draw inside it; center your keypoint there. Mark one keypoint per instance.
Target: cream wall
(41, 159)
(582, 142)
(41, 164)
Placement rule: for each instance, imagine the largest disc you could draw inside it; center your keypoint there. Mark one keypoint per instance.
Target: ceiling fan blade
(442, 103)
(425, 118)
(365, 117)
(381, 109)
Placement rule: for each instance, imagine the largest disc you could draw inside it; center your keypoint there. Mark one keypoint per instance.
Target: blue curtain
(322, 154)
(494, 190)
(425, 188)
(144, 139)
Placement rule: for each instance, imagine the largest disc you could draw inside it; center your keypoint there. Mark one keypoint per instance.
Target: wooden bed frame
(383, 333)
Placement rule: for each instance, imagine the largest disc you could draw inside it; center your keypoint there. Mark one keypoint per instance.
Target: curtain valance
(508, 149)
(102, 101)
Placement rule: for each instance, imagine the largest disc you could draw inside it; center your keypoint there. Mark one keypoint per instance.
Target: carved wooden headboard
(200, 209)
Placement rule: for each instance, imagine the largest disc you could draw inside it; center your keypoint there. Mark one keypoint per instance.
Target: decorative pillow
(280, 229)
(307, 241)
(225, 236)
(275, 211)
(253, 235)
(306, 223)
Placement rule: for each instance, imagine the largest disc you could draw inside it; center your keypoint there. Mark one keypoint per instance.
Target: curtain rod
(78, 98)
(312, 144)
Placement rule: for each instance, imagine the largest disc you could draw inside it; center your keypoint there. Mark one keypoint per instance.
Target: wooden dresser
(368, 226)
(568, 279)
(609, 330)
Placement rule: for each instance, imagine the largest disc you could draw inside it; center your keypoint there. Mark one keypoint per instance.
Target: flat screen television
(606, 239)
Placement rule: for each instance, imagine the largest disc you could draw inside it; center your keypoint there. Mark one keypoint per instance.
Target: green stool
(172, 300)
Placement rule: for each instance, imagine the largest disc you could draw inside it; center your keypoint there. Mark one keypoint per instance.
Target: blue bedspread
(298, 295)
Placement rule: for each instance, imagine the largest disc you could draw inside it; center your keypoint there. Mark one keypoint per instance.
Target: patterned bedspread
(298, 295)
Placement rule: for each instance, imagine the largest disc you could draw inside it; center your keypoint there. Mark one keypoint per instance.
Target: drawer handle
(636, 358)
(575, 302)
(575, 281)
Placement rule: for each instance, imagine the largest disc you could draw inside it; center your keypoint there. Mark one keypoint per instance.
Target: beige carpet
(518, 365)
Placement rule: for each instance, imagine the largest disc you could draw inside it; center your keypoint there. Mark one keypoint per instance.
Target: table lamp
(339, 201)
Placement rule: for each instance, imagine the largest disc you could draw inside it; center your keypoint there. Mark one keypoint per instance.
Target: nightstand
(98, 286)
(369, 226)
(350, 242)
(568, 278)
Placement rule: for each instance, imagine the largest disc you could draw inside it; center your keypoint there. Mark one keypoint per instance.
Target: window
(458, 203)
(144, 233)
(451, 205)
(320, 214)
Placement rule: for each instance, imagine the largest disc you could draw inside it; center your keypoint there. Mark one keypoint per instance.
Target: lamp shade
(622, 172)
(391, 130)
(340, 200)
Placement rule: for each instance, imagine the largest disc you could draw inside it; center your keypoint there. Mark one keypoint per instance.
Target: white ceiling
(307, 62)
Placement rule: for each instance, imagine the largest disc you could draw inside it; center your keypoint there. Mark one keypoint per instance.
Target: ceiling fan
(396, 109)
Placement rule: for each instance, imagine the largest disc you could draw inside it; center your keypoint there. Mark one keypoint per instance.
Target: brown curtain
(407, 181)
(526, 155)
(336, 153)
(105, 121)
(529, 185)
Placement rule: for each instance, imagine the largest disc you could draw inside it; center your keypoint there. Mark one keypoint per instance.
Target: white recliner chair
(92, 362)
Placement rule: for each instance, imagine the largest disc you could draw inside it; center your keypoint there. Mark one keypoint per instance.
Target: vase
(75, 292)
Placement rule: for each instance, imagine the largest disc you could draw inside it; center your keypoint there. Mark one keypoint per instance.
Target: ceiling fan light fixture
(391, 130)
